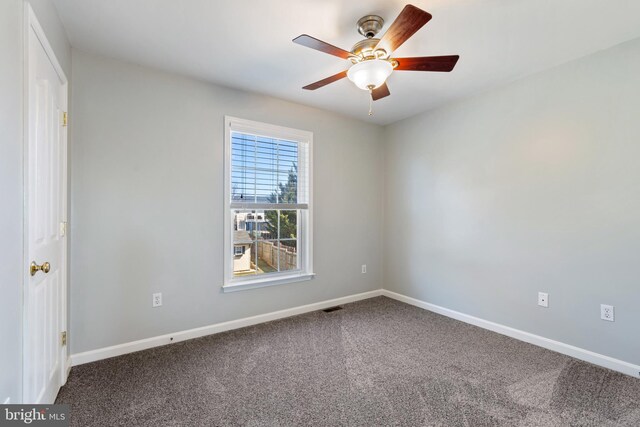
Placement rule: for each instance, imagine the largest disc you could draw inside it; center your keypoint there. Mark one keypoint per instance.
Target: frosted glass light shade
(371, 73)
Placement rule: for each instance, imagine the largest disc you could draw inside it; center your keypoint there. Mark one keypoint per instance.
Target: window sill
(261, 283)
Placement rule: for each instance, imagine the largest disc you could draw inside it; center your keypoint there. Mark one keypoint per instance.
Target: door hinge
(64, 338)
(64, 118)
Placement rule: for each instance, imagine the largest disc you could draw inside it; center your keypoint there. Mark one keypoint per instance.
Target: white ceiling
(247, 43)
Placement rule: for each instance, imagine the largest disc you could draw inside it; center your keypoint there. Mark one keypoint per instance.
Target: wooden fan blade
(410, 20)
(427, 63)
(316, 44)
(380, 92)
(324, 82)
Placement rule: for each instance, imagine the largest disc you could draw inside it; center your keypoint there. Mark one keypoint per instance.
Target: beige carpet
(375, 362)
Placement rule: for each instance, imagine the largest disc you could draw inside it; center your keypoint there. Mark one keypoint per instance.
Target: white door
(45, 222)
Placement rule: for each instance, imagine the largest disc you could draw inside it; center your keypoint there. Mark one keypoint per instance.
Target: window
(267, 205)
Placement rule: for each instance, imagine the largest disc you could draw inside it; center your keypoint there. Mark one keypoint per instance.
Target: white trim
(267, 129)
(130, 347)
(270, 280)
(268, 206)
(569, 350)
(67, 369)
(32, 22)
(305, 222)
(560, 347)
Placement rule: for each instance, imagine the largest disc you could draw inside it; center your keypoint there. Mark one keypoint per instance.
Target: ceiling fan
(371, 61)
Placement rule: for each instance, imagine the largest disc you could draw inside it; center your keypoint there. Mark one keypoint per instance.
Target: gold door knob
(45, 267)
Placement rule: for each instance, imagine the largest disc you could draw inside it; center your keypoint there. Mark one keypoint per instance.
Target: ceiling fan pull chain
(370, 102)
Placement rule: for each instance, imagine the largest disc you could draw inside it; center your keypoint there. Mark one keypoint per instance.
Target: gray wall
(530, 187)
(12, 264)
(11, 69)
(147, 197)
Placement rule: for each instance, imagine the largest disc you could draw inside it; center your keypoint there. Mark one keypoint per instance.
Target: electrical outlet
(543, 299)
(607, 313)
(157, 300)
(364, 268)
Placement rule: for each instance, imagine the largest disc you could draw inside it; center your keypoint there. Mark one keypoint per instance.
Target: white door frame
(31, 24)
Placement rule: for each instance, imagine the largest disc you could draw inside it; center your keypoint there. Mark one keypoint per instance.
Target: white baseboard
(67, 370)
(569, 350)
(130, 347)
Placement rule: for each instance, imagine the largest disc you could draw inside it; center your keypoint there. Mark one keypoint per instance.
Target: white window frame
(305, 222)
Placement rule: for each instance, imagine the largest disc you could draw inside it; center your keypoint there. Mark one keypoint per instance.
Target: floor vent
(330, 309)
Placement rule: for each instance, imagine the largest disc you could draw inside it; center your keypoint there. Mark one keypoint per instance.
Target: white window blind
(268, 173)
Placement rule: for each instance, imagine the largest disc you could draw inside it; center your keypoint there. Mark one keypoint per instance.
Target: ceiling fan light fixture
(370, 74)
(372, 57)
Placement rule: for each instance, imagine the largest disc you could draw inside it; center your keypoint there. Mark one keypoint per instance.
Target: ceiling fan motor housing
(364, 49)
(370, 25)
